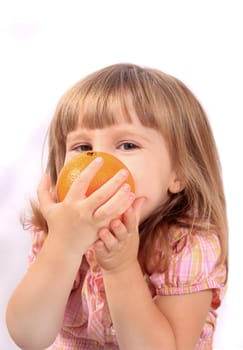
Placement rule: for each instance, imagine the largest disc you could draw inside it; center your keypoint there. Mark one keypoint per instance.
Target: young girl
(128, 271)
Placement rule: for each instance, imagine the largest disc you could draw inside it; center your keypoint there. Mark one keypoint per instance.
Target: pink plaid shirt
(87, 323)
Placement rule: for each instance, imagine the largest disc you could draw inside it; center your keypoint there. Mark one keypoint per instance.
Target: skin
(79, 222)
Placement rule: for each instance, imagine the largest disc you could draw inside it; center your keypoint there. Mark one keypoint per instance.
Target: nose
(100, 144)
(102, 140)
(102, 148)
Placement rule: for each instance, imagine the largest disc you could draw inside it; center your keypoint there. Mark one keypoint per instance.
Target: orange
(72, 169)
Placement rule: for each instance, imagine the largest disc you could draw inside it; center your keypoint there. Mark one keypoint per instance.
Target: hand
(74, 223)
(118, 245)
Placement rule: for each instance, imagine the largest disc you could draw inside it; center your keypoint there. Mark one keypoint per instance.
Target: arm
(169, 322)
(141, 322)
(186, 314)
(36, 308)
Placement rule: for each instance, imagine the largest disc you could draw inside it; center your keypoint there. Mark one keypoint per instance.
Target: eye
(128, 146)
(82, 147)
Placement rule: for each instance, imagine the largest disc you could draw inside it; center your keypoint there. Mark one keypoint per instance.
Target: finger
(81, 183)
(44, 192)
(100, 247)
(109, 240)
(137, 206)
(118, 229)
(132, 216)
(108, 189)
(116, 205)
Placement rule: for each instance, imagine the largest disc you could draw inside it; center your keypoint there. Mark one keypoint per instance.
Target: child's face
(141, 149)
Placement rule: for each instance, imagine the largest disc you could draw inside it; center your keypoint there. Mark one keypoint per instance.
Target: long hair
(164, 103)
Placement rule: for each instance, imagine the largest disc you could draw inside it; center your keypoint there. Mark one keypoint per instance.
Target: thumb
(137, 206)
(133, 214)
(44, 193)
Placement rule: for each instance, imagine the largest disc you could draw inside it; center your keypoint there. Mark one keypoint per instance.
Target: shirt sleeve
(193, 268)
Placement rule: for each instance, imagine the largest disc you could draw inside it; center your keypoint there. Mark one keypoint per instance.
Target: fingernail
(123, 172)
(126, 187)
(131, 196)
(98, 160)
(116, 223)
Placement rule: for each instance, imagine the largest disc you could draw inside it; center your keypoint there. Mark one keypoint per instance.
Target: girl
(153, 278)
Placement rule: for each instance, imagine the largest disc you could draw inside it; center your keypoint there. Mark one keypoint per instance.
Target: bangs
(108, 97)
(100, 109)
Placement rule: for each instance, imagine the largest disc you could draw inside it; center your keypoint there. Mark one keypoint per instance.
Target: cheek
(151, 184)
(154, 195)
(68, 157)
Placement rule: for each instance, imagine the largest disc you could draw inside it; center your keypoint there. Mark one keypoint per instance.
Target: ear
(176, 185)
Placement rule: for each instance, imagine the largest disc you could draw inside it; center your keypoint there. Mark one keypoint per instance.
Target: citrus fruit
(111, 165)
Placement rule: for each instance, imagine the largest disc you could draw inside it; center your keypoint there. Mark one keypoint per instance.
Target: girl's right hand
(73, 224)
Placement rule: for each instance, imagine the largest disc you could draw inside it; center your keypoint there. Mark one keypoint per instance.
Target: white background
(46, 46)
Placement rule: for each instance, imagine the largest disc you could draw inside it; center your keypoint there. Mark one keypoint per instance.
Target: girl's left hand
(117, 246)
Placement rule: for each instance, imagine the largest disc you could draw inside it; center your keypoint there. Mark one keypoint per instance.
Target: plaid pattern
(66, 342)
(193, 267)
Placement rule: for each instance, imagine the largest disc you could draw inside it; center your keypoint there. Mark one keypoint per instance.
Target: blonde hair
(164, 103)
